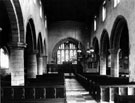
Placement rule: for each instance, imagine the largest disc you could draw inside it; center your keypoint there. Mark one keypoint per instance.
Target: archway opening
(40, 66)
(124, 52)
(30, 62)
(120, 46)
(66, 55)
(105, 46)
(95, 61)
(40, 45)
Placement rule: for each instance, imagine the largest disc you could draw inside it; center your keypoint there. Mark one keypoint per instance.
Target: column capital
(31, 51)
(114, 50)
(17, 45)
(41, 55)
(101, 53)
(45, 56)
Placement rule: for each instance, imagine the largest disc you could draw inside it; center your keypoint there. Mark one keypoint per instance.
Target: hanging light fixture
(91, 49)
(79, 48)
(0, 29)
(88, 48)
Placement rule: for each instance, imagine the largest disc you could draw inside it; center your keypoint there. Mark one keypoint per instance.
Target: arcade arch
(104, 53)
(120, 48)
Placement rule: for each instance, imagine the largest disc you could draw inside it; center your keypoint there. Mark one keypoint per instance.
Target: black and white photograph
(67, 51)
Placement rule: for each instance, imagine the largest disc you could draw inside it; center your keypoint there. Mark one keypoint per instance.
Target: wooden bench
(47, 88)
(124, 99)
(104, 88)
(30, 94)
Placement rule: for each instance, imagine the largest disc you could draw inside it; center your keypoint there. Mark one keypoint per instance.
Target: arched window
(95, 24)
(103, 13)
(4, 61)
(116, 2)
(41, 12)
(67, 52)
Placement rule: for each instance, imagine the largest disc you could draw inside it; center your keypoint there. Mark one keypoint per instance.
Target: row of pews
(108, 89)
(48, 88)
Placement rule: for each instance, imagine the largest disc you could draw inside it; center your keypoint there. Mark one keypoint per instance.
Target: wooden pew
(47, 79)
(29, 94)
(47, 88)
(108, 92)
(104, 88)
(124, 99)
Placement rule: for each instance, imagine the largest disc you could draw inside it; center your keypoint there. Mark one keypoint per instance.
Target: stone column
(0, 87)
(132, 65)
(114, 62)
(40, 65)
(45, 64)
(102, 64)
(31, 64)
(16, 64)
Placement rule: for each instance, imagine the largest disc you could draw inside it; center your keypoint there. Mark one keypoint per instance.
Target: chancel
(67, 51)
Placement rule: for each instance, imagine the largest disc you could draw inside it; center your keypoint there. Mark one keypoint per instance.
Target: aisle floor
(75, 93)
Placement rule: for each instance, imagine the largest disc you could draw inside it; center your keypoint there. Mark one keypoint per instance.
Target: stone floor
(75, 93)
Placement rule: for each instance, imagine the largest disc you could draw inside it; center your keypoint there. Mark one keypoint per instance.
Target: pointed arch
(16, 20)
(20, 19)
(116, 33)
(72, 40)
(30, 40)
(104, 42)
(120, 46)
(45, 47)
(95, 44)
(33, 33)
(40, 44)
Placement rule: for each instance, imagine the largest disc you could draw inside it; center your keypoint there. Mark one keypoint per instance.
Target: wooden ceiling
(75, 10)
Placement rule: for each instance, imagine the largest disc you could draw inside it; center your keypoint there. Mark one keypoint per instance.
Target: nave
(77, 88)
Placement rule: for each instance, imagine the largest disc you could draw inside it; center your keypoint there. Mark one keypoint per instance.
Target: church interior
(67, 51)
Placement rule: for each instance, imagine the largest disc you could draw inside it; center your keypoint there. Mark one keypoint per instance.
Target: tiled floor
(75, 93)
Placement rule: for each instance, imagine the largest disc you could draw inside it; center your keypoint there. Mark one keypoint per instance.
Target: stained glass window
(67, 52)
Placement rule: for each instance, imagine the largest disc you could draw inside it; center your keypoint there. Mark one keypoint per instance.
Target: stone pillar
(31, 64)
(40, 65)
(102, 64)
(114, 62)
(0, 88)
(45, 64)
(132, 65)
(16, 64)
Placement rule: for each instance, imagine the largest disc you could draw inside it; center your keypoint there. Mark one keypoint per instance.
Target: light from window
(95, 24)
(41, 14)
(116, 2)
(45, 22)
(103, 13)
(4, 59)
(34, 1)
(67, 52)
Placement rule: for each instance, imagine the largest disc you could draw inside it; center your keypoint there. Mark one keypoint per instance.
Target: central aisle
(75, 93)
